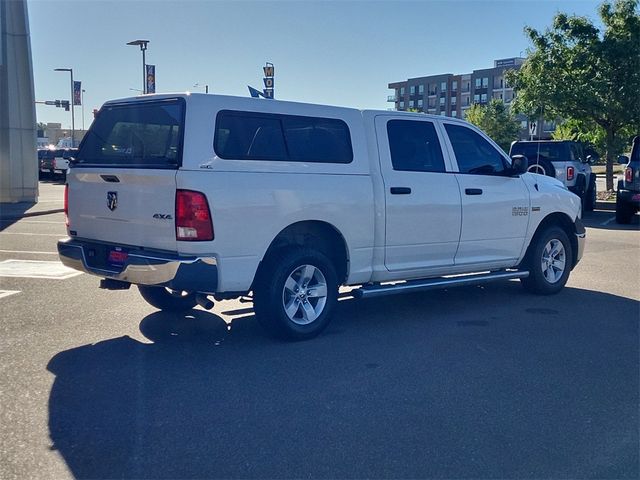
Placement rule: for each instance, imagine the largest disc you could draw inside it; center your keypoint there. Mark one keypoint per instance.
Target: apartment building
(452, 95)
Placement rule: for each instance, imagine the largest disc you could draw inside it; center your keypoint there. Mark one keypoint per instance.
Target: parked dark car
(628, 195)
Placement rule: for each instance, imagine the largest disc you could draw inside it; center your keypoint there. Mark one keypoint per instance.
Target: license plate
(46, 170)
(117, 257)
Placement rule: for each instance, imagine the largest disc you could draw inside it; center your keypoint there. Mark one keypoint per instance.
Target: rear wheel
(295, 293)
(167, 299)
(624, 211)
(549, 262)
(590, 197)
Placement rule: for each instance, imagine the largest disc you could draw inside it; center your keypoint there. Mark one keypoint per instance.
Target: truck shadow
(473, 382)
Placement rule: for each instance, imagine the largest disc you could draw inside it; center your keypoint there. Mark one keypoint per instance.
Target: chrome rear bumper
(168, 269)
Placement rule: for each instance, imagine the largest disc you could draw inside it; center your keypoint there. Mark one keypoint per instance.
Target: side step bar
(435, 283)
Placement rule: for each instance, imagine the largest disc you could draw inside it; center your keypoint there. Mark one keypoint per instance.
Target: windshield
(138, 134)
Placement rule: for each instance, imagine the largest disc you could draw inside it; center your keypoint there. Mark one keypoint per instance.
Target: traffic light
(57, 103)
(65, 104)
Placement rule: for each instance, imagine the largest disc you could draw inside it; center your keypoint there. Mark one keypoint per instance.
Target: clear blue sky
(339, 53)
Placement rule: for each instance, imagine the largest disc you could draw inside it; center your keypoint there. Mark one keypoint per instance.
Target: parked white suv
(191, 196)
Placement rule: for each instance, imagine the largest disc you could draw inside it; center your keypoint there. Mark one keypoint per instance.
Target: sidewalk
(50, 200)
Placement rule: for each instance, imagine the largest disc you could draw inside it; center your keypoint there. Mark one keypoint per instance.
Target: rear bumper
(629, 196)
(167, 269)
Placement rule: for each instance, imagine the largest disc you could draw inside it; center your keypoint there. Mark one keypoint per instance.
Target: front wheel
(295, 293)
(549, 262)
(167, 299)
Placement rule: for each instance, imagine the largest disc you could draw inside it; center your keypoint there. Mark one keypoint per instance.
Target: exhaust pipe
(203, 301)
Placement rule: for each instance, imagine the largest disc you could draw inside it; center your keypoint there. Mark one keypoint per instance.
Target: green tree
(575, 71)
(495, 120)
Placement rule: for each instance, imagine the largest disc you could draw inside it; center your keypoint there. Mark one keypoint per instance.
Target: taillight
(628, 174)
(570, 173)
(193, 218)
(66, 205)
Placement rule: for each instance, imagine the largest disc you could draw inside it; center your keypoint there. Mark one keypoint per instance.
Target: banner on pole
(151, 79)
(77, 93)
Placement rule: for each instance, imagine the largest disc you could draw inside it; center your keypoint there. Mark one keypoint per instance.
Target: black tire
(543, 167)
(589, 203)
(166, 299)
(270, 293)
(537, 281)
(624, 211)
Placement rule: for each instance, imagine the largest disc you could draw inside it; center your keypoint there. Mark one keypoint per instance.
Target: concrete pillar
(18, 157)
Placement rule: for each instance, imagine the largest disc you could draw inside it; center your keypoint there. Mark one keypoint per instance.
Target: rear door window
(137, 134)
(414, 146)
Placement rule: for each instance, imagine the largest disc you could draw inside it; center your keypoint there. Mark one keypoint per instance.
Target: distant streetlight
(82, 102)
(73, 121)
(143, 48)
(206, 87)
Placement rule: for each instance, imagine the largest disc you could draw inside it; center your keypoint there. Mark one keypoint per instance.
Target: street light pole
(143, 48)
(73, 121)
(82, 102)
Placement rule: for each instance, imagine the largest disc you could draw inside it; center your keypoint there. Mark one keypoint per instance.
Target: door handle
(473, 191)
(400, 190)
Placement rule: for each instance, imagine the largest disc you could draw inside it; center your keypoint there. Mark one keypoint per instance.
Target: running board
(435, 283)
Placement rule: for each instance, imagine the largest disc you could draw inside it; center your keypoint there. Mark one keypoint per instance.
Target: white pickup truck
(198, 196)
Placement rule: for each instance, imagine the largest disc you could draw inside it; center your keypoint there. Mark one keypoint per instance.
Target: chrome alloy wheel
(304, 295)
(554, 260)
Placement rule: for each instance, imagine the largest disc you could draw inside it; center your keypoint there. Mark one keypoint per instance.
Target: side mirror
(519, 164)
(623, 159)
(591, 159)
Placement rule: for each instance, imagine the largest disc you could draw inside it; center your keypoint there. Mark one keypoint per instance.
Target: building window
(442, 112)
(420, 103)
(454, 113)
(411, 103)
(443, 86)
(476, 98)
(401, 90)
(442, 99)
(501, 82)
(483, 98)
(413, 90)
(454, 100)
(485, 82)
(467, 86)
(454, 85)
(421, 89)
(478, 82)
(401, 105)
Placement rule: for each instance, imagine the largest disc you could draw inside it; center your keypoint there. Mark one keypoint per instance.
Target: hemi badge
(535, 209)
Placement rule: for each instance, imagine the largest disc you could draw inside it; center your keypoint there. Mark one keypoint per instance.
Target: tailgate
(133, 207)
(122, 183)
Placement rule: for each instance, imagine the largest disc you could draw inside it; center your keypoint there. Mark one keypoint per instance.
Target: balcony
(392, 98)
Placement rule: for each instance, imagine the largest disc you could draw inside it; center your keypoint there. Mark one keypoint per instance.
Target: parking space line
(6, 293)
(24, 251)
(608, 221)
(36, 234)
(36, 269)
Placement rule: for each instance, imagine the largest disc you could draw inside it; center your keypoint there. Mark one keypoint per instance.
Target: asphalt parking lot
(478, 382)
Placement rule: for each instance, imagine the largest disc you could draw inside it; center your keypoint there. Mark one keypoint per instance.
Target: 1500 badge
(162, 216)
(520, 211)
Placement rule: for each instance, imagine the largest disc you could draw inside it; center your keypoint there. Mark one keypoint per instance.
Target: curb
(606, 206)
